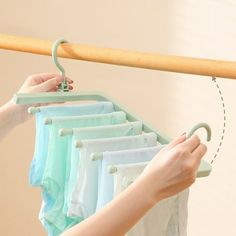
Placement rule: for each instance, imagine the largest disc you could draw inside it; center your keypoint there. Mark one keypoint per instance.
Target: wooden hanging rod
(154, 61)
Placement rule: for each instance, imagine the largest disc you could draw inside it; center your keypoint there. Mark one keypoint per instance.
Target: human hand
(175, 167)
(46, 82)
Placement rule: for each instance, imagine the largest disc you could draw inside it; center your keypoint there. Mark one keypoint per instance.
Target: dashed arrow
(224, 120)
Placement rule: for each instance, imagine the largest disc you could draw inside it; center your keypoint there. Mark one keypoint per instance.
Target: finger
(70, 81)
(42, 77)
(199, 152)
(47, 76)
(192, 143)
(48, 85)
(54, 89)
(176, 141)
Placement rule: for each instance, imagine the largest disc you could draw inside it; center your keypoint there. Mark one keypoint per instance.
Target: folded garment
(108, 131)
(84, 196)
(167, 218)
(53, 180)
(178, 223)
(126, 174)
(42, 132)
(106, 186)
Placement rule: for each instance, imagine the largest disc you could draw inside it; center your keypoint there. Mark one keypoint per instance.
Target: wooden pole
(154, 61)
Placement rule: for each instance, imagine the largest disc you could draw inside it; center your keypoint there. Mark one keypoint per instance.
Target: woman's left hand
(46, 82)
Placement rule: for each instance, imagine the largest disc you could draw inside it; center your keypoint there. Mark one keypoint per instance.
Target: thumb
(48, 85)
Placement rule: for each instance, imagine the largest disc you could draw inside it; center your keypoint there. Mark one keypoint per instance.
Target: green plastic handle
(198, 126)
(64, 86)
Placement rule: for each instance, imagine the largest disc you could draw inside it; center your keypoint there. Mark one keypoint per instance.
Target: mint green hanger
(198, 126)
(64, 86)
(204, 168)
(64, 95)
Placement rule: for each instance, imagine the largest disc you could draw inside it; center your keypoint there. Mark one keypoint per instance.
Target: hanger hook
(64, 85)
(198, 126)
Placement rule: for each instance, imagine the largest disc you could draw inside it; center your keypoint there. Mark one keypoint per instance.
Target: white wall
(172, 102)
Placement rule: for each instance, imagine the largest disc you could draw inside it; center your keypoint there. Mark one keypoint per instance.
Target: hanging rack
(116, 57)
(154, 61)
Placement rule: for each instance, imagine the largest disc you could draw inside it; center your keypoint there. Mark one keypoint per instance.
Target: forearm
(10, 117)
(121, 214)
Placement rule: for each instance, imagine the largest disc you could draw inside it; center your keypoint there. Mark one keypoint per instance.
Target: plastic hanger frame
(52, 97)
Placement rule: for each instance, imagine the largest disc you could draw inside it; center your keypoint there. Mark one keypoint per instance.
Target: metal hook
(64, 86)
(198, 126)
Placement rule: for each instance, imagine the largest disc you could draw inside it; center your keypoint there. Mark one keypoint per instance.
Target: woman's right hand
(175, 167)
